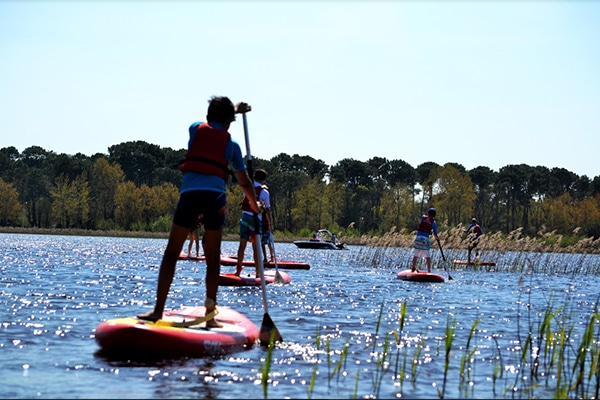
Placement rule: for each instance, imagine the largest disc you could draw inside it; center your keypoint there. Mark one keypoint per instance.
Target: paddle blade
(268, 328)
(279, 278)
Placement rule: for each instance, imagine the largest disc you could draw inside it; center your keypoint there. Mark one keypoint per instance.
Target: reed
(467, 360)
(514, 241)
(449, 337)
(265, 368)
(549, 360)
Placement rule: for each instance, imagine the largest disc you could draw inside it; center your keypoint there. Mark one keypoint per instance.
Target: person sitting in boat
(475, 231)
(319, 236)
(422, 244)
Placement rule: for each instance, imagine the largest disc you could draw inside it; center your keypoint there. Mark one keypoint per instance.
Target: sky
(478, 83)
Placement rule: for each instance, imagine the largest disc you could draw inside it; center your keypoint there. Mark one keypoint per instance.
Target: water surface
(55, 290)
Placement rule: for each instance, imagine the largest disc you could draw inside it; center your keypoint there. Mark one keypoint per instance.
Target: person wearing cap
(203, 199)
(475, 231)
(422, 243)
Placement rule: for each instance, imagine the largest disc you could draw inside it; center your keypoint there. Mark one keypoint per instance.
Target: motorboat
(322, 239)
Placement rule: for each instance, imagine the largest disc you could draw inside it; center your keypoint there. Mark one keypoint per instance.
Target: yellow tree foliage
(160, 201)
(10, 208)
(104, 179)
(129, 205)
(565, 214)
(453, 195)
(70, 201)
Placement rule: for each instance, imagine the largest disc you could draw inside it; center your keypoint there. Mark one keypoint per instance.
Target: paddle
(267, 328)
(444, 258)
(278, 277)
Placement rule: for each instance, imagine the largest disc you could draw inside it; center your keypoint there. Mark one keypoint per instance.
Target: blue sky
(480, 83)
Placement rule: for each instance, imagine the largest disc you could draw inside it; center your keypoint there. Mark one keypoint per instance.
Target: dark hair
(260, 175)
(431, 212)
(220, 110)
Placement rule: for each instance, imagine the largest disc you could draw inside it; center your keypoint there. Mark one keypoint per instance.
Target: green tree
(33, 178)
(483, 179)
(396, 208)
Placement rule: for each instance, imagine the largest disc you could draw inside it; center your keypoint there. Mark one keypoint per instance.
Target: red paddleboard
(460, 262)
(158, 339)
(251, 279)
(184, 256)
(283, 264)
(229, 261)
(421, 276)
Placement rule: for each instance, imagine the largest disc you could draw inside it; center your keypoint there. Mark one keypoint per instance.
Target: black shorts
(201, 206)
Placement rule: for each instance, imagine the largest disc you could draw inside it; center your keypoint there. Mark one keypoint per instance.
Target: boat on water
(322, 239)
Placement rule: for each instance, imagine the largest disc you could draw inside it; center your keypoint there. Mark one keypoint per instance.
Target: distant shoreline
(114, 233)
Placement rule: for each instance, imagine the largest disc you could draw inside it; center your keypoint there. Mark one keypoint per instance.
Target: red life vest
(246, 202)
(426, 224)
(477, 230)
(206, 154)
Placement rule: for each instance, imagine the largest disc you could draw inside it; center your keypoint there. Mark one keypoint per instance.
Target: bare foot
(150, 316)
(239, 271)
(212, 323)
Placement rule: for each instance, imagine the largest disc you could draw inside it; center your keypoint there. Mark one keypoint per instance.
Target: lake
(486, 333)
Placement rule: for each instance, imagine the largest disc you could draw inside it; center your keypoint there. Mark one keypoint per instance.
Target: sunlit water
(55, 290)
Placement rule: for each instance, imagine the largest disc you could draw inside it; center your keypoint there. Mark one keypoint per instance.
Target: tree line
(135, 188)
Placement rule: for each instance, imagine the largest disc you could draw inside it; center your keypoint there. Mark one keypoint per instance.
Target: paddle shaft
(444, 258)
(268, 330)
(257, 238)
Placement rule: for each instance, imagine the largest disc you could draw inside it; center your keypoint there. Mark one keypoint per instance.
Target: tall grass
(550, 360)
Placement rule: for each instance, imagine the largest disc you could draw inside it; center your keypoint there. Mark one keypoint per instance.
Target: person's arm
(247, 186)
(269, 219)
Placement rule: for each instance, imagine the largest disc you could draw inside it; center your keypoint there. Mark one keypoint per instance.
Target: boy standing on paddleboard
(203, 199)
(247, 228)
(422, 243)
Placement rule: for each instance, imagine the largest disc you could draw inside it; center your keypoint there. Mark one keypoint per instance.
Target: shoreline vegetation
(451, 238)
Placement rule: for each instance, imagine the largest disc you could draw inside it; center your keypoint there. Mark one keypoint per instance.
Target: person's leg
(177, 238)
(240, 256)
(212, 249)
(256, 251)
(272, 252)
(264, 248)
(414, 264)
(191, 239)
(428, 261)
(469, 254)
(245, 234)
